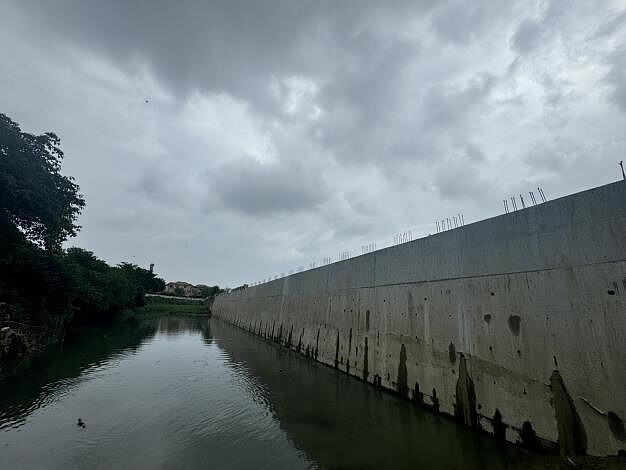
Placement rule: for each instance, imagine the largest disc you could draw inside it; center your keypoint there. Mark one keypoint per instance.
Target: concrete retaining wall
(516, 324)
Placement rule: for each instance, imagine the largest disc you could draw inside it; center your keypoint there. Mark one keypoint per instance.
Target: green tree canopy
(147, 280)
(34, 195)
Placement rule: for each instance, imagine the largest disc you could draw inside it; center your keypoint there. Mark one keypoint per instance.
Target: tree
(34, 195)
(145, 280)
(206, 291)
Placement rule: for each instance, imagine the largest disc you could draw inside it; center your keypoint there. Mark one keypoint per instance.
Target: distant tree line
(43, 287)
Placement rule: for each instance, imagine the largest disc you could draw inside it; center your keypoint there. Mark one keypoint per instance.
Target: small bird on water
(80, 423)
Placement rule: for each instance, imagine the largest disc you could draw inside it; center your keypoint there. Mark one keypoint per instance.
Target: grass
(160, 305)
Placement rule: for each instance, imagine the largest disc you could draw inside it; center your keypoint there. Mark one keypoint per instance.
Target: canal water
(189, 392)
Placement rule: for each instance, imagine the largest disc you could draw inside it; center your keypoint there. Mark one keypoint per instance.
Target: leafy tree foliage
(43, 287)
(34, 195)
(206, 291)
(102, 289)
(148, 281)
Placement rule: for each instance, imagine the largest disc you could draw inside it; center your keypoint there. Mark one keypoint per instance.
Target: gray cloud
(461, 22)
(528, 36)
(617, 79)
(445, 106)
(277, 133)
(268, 189)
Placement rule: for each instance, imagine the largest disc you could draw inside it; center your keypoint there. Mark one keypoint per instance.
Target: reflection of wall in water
(340, 422)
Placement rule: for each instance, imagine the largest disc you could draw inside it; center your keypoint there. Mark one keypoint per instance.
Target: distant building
(181, 288)
(185, 289)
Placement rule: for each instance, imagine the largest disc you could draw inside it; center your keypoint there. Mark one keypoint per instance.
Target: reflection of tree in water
(51, 374)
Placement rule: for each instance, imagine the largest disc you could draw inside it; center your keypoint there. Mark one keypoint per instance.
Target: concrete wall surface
(515, 325)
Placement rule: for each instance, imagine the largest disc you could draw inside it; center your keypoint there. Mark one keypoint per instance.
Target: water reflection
(188, 392)
(47, 377)
(176, 325)
(340, 422)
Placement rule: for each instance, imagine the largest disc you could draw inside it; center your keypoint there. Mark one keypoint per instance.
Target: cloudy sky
(229, 141)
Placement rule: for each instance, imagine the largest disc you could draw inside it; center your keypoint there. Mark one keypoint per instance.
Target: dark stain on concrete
(350, 343)
(377, 381)
(337, 352)
(452, 353)
(273, 325)
(529, 436)
(572, 436)
(367, 320)
(317, 343)
(616, 425)
(435, 401)
(401, 382)
(465, 408)
(499, 428)
(487, 318)
(365, 361)
(299, 347)
(514, 324)
(418, 397)
(280, 333)
(290, 337)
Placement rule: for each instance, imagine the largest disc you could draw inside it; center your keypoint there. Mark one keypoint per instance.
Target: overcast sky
(277, 133)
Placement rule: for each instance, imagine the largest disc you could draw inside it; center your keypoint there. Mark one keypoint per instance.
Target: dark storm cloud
(283, 131)
(229, 45)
